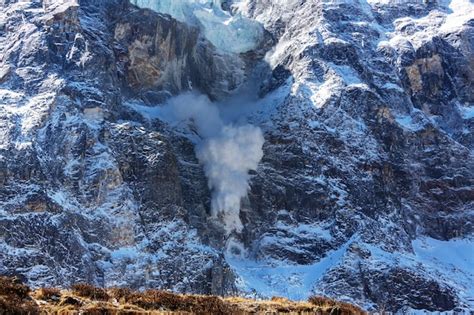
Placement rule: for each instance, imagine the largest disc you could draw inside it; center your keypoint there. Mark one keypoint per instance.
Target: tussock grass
(120, 294)
(14, 288)
(16, 298)
(48, 294)
(335, 307)
(89, 291)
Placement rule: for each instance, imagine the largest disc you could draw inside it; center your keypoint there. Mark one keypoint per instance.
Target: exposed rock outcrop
(85, 194)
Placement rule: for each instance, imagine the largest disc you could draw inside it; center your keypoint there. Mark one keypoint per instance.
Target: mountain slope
(365, 188)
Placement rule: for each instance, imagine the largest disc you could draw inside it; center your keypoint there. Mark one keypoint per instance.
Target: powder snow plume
(227, 152)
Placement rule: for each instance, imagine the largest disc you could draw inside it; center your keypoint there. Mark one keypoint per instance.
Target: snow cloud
(227, 151)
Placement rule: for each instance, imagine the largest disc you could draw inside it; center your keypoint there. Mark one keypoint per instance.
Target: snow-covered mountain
(253, 147)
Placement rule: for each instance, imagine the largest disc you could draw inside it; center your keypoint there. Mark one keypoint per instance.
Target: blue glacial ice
(231, 33)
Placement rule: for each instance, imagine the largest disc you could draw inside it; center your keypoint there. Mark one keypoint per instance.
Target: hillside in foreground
(17, 298)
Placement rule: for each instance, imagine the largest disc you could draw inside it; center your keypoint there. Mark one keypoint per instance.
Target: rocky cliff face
(365, 190)
(83, 181)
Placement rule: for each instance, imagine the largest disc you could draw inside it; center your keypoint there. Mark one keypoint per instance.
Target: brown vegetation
(16, 298)
(48, 294)
(335, 307)
(120, 294)
(88, 291)
(161, 300)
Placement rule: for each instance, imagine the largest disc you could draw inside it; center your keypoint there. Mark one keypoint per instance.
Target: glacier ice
(229, 33)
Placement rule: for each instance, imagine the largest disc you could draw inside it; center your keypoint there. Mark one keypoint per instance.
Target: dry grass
(120, 294)
(205, 305)
(15, 298)
(48, 294)
(277, 305)
(335, 307)
(89, 291)
(13, 287)
(161, 300)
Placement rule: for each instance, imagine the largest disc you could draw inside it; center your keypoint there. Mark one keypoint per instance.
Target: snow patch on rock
(265, 279)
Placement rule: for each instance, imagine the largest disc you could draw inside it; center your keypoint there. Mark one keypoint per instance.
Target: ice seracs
(229, 33)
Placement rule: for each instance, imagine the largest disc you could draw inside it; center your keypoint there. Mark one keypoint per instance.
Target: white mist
(228, 152)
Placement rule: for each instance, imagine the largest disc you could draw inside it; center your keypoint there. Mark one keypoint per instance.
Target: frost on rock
(229, 33)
